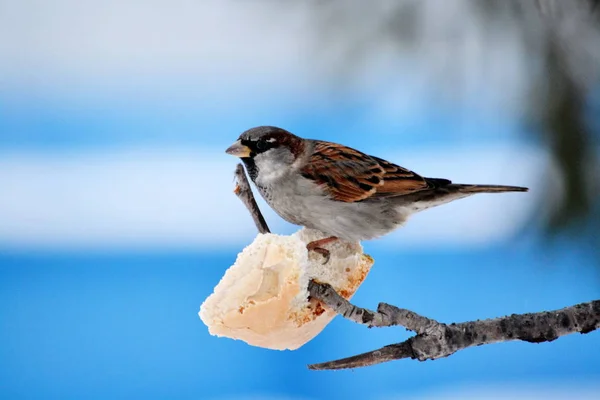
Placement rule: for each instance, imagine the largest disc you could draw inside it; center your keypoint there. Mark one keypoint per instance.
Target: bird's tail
(484, 188)
(443, 191)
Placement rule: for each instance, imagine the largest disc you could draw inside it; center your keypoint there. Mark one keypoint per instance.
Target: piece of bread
(263, 297)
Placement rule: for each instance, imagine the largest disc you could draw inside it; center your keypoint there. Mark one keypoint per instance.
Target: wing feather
(349, 175)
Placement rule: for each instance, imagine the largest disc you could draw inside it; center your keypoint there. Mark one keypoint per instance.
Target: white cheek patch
(269, 171)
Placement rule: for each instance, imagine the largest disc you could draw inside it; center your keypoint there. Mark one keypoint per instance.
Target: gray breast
(301, 202)
(286, 201)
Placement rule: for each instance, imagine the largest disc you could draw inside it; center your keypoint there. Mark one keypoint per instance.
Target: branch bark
(434, 339)
(244, 192)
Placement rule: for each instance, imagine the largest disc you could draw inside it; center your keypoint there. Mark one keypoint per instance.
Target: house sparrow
(338, 190)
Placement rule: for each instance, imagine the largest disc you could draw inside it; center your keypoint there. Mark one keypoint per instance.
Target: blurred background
(117, 216)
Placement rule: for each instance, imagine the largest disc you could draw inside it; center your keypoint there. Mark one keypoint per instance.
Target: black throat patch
(251, 167)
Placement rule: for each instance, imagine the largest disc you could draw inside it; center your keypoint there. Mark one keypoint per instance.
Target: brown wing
(350, 175)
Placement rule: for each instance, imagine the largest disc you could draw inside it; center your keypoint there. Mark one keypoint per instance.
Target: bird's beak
(239, 150)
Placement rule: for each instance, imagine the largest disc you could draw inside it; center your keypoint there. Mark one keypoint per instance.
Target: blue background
(104, 321)
(126, 325)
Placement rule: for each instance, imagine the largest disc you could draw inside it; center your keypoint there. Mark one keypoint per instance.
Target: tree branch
(434, 339)
(244, 193)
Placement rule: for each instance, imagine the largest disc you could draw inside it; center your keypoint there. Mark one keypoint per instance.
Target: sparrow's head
(267, 150)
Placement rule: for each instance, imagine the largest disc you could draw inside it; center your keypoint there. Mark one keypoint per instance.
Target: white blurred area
(512, 391)
(211, 51)
(509, 391)
(234, 59)
(226, 53)
(182, 199)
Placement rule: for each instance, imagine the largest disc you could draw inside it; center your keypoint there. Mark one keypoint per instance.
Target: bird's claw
(324, 252)
(316, 247)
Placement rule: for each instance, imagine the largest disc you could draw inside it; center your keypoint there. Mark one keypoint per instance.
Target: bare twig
(244, 192)
(434, 339)
(386, 314)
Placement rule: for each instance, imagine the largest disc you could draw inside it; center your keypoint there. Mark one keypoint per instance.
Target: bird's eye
(262, 145)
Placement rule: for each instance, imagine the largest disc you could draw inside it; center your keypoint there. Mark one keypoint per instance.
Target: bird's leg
(315, 246)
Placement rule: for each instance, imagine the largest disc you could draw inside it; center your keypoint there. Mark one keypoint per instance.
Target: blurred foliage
(568, 134)
(567, 137)
(562, 39)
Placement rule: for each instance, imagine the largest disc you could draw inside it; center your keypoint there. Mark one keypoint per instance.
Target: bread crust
(263, 297)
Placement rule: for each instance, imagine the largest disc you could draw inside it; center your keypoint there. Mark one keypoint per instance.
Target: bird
(338, 190)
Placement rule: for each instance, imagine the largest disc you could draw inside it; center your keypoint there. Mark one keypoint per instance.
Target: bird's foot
(315, 246)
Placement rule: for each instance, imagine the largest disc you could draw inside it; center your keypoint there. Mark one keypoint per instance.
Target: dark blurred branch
(548, 7)
(568, 139)
(434, 339)
(571, 73)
